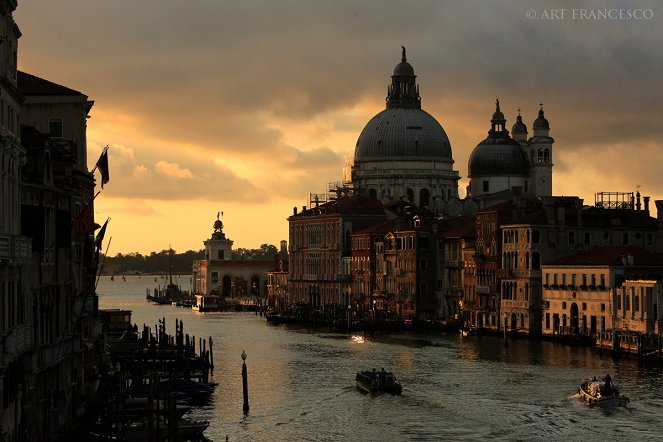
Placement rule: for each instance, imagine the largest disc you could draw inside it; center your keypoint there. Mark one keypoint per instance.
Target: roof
(403, 134)
(347, 205)
(611, 256)
(29, 84)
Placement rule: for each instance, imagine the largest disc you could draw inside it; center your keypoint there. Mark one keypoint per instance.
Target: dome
(541, 122)
(519, 127)
(498, 156)
(403, 134)
(404, 69)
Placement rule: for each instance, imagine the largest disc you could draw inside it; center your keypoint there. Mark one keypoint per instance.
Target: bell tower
(218, 247)
(540, 152)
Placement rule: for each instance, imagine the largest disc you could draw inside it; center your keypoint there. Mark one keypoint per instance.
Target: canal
(301, 382)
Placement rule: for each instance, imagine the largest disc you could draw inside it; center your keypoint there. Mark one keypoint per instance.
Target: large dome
(403, 134)
(498, 156)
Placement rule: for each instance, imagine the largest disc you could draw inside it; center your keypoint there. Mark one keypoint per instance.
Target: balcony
(14, 248)
(454, 264)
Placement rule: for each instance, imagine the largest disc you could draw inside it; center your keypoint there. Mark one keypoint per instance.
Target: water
(301, 382)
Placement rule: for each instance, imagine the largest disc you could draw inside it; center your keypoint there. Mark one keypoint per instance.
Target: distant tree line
(159, 262)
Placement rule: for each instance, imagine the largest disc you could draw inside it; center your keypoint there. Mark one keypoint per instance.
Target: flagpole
(105, 149)
(102, 264)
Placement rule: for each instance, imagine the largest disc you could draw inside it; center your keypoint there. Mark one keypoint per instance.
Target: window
(588, 238)
(650, 239)
(215, 277)
(573, 279)
(584, 306)
(564, 305)
(572, 237)
(55, 127)
(486, 186)
(602, 307)
(220, 254)
(625, 239)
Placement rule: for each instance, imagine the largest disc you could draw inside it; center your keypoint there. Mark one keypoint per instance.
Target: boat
(602, 392)
(376, 382)
(207, 303)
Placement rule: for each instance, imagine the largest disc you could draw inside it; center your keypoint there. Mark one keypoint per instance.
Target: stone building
(233, 279)
(50, 329)
(586, 293)
(320, 250)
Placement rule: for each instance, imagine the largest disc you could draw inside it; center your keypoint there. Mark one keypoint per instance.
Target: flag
(84, 222)
(100, 236)
(102, 165)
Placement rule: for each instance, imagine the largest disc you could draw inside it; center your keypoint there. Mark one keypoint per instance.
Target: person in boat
(608, 382)
(374, 379)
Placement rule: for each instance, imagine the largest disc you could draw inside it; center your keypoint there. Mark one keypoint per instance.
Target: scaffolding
(615, 200)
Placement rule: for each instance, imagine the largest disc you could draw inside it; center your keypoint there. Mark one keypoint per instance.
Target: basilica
(396, 241)
(404, 153)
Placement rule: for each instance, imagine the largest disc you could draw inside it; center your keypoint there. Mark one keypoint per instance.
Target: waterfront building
(457, 267)
(235, 280)
(637, 304)
(586, 293)
(50, 328)
(15, 248)
(558, 227)
(277, 286)
(320, 251)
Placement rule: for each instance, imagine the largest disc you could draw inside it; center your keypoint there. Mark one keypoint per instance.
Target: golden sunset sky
(245, 106)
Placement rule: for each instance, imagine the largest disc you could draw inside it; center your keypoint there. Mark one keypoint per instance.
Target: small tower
(540, 152)
(519, 131)
(218, 247)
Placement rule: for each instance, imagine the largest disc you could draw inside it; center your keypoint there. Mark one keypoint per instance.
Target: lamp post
(245, 384)
(349, 308)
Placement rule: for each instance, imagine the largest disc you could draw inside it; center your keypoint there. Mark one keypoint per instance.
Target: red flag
(102, 165)
(84, 222)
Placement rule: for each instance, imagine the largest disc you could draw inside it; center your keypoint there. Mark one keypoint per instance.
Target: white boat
(602, 392)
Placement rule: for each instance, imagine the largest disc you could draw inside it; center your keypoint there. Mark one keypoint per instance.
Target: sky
(245, 106)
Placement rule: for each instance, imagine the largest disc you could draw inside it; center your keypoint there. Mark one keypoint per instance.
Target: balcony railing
(15, 248)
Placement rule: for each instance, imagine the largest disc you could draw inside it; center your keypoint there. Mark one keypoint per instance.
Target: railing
(15, 248)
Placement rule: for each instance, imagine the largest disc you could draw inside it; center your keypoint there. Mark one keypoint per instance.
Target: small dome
(541, 122)
(402, 134)
(519, 127)
(498, 156)
(403, 69)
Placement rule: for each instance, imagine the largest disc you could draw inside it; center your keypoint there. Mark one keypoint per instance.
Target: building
(49, 358)
(586, 293)
(236, 280)
(320, 251)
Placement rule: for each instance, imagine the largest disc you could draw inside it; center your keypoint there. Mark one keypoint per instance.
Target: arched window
(527, 260)
(372, 193)
(546, 156)
(536, 261)
(424, 197)
(536, 237)
(410, 195)
(540, 159)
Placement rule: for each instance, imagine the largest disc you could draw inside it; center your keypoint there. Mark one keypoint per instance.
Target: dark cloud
(217, 74)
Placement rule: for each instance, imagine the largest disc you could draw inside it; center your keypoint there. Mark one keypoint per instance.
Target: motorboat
(375, 382)
(602, 392)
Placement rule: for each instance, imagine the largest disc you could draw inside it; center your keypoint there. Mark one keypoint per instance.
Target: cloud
(259, 101)
(172, 170)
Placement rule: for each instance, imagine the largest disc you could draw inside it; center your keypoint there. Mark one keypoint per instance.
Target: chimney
(294, 210)
(646, 201)
(659, 210)
(303, 209)
(638, 206)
